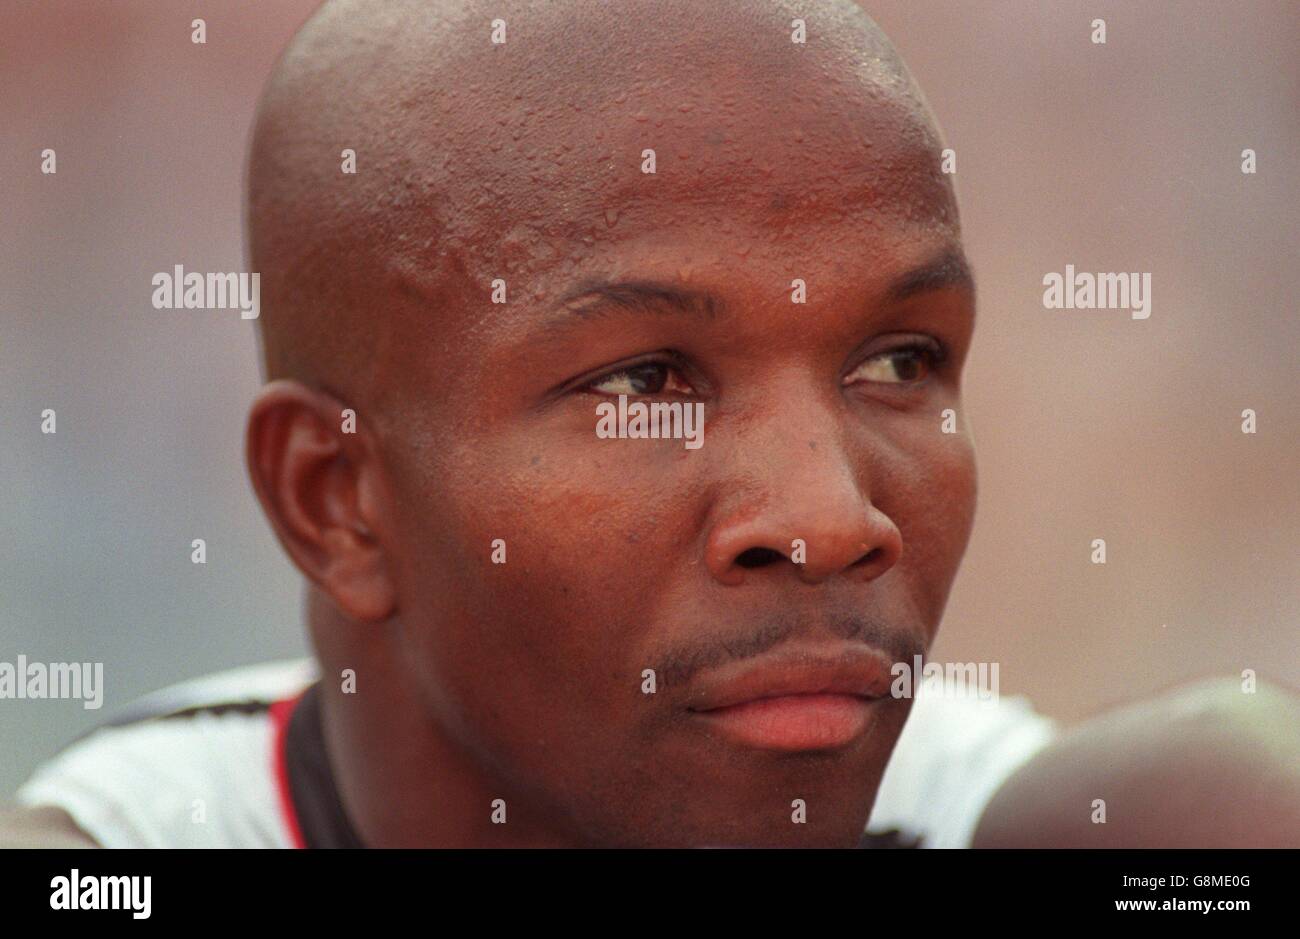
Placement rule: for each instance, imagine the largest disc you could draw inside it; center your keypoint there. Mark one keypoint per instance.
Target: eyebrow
(950, 269)
(594, 298)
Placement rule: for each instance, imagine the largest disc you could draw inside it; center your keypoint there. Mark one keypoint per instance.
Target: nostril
(757, 557)
(871, 557)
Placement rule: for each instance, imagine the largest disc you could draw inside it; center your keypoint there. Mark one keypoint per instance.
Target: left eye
(648, 378)
(903, 365)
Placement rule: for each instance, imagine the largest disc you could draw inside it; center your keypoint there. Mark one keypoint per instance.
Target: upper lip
(843, 669)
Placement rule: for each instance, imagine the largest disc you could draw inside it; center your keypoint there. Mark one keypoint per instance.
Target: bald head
(520, 159)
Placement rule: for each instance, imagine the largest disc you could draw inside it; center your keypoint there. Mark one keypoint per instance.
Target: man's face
(822, 422)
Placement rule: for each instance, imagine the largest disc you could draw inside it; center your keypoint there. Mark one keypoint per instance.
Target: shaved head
(668, 204)
(517, 160)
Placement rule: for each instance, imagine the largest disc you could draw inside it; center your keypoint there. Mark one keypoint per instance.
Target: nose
(810, 511)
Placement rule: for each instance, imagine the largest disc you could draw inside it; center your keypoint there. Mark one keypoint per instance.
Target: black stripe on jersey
(891, 838)
(143, 712)
(225, 707)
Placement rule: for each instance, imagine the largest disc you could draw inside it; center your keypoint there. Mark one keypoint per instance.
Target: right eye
(647, 378)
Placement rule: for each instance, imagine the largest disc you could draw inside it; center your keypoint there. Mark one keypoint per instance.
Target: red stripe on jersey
(281, 711)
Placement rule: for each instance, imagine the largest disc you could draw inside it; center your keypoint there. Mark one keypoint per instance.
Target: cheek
(536, 566)
(930, 494)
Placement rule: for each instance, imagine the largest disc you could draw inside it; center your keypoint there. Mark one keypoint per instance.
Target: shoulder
(192, 765)
(954, 753)
(1224, 746)
(41, 827)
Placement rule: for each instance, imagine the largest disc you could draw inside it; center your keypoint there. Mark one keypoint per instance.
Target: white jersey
(234, 760)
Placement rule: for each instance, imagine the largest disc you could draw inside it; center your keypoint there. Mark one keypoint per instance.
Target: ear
(321, 489)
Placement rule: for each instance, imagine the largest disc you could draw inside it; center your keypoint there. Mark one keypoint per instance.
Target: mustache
(678, 666)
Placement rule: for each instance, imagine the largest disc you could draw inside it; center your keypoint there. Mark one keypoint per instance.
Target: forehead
(766, 157)
(731, 288)
(549, 133)
(795, 172)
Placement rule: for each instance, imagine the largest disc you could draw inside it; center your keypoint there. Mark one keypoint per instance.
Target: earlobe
(308, 476)
(357, 578)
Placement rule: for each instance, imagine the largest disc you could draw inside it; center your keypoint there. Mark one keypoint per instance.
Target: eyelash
(666, 359)
(933, 352)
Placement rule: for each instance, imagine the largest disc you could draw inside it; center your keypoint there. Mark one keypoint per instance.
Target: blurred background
(1117, 157)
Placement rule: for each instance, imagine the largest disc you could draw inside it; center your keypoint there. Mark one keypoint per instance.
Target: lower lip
(794, 722)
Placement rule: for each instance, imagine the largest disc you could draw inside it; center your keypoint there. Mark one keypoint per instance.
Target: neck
(402, 779)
